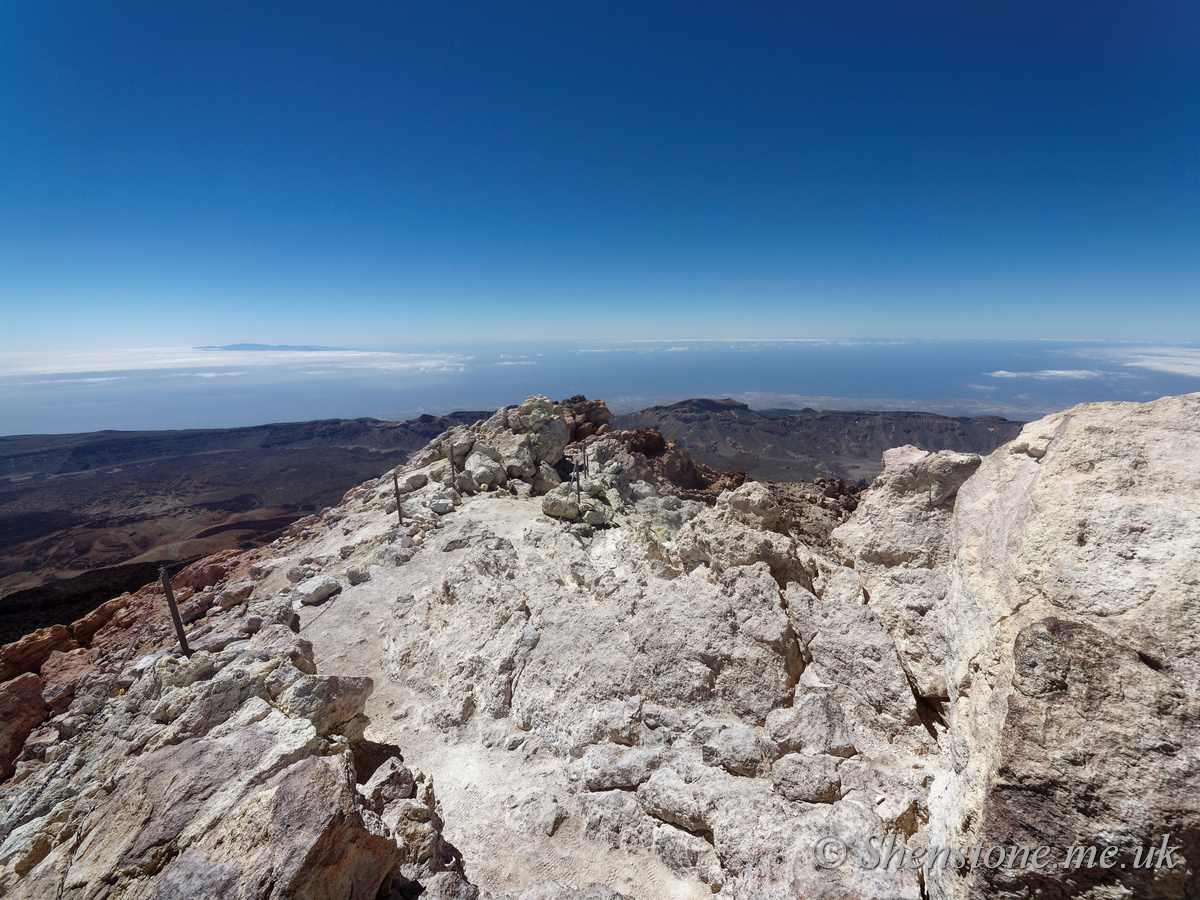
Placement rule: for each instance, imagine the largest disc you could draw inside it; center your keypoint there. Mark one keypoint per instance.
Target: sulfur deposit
(561, 664)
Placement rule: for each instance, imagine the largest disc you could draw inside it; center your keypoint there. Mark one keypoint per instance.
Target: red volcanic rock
(584, 417)
(61, 672)
(208, 571)
(122, 616)
(646, 441)
(110, 629)
(668, 467)
(28, 654)
(85, 629)
(22, 709)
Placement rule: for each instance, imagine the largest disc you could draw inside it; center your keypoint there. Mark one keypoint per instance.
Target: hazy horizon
(182, 387)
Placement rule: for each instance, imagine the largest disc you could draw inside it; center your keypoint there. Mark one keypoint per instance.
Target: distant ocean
(184, 387)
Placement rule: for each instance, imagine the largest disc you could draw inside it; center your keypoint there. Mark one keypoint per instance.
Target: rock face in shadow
(671, 698)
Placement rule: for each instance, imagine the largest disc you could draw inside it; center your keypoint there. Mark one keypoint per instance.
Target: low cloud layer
(1177, 362)
(1071, 374)
(208, 362)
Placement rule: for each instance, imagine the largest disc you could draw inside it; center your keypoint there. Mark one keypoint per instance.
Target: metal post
(396, 486)
(166, 586)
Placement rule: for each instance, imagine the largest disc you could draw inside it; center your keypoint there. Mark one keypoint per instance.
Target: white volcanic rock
(534, 810)
(897, 543)
(814, 722)
(317, 590)
(1074, 663)
(207, 777)
(620, 668)
(808, 778)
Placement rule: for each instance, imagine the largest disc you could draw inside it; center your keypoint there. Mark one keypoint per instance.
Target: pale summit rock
(317, 590)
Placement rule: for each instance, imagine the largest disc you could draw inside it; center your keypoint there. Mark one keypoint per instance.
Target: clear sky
(375, 175)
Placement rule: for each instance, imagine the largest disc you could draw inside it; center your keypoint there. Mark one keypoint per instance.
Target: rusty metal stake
(399, 508)
(166, 586)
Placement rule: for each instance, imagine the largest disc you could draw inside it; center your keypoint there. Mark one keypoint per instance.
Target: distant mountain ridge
(797, 445)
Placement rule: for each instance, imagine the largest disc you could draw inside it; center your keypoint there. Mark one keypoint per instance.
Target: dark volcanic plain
(115, 504)
(84, 517)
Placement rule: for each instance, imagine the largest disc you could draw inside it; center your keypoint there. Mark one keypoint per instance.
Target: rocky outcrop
(1073, 670)
(229, 773)
(898, 546)
(657, 461)
(1031, 597)
(522, 443)
(21, 710)
(28, 654)
(655, 661)
(584, 417)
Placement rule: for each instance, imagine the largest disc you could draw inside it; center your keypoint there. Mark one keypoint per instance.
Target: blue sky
(382, 176)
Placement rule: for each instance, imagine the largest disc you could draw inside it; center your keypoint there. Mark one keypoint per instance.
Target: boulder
(607, 767)
(233, 594)
(301, 832)
(534, 811)
(391, 781)
(814, 722)
(61, 672)
(330, 702)
(736, 750)
(753, 504)
(560, 503)
(316, 591)
(1074, 689)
